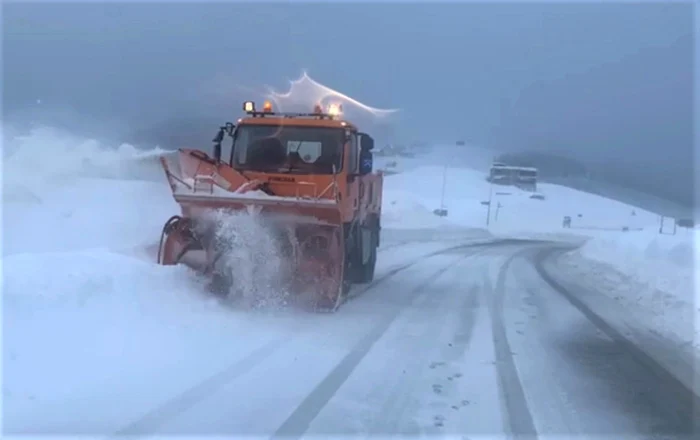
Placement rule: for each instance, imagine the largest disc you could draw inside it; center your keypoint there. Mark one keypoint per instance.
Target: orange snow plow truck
(307, 174)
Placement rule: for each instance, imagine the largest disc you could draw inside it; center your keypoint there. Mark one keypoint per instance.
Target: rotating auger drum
(176, 239)
(314, 253)
(183, 240)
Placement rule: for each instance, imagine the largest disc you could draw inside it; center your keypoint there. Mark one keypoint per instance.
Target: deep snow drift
(654, 276)
(62, 193)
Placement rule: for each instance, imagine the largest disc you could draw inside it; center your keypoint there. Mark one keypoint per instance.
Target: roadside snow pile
(59, 193)
(99, 325)
(647, 272)
(628, 252)
(87, 213)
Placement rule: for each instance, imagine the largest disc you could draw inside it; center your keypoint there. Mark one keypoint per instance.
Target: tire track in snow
(189, 398)
(449, 392)
(391, 419)
(298, 422)
(173, 407)
(520, 420)
(393, 246)
(490, 243)
(396, 270)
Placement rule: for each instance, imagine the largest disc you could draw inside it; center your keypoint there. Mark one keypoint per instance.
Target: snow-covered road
(450, 340)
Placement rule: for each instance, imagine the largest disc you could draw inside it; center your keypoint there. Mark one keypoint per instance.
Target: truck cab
(315, 143)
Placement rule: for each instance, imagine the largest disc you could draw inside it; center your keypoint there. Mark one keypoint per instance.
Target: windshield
(300, 150)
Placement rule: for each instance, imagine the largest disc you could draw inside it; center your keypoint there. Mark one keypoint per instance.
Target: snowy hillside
(81, 220)
(417, 189)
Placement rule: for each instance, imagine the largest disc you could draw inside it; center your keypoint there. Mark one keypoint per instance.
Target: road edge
(624, 332)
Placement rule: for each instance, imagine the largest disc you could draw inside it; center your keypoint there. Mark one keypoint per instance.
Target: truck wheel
(348, 275)
(370, 266)
(365, 272)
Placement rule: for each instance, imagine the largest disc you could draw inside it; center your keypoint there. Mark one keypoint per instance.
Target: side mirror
(366, 142)
(217, 143)
(224, 129)
(229, 127)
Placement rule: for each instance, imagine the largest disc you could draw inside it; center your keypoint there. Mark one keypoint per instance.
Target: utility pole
(444, 184)
(498, 208)
(488, 206)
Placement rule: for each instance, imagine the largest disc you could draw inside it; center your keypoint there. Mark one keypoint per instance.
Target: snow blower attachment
(306, 177)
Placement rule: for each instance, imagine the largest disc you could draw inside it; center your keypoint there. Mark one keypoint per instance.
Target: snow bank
(60, 193)
(648, 272)
(628, 251)
(95, 323)
(87, 213)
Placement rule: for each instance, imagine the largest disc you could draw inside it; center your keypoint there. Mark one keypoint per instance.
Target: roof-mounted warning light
(249, 107)
(335, 110)
(332, 111)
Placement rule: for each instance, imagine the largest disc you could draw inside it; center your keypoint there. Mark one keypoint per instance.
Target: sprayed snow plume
(305, 92)
(252, 266)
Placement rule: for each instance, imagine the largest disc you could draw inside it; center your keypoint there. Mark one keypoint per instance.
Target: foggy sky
(602, 82)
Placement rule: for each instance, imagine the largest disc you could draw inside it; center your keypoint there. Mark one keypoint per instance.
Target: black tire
(364, 273)
(347, 280)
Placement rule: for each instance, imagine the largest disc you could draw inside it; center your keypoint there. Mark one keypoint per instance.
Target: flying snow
(253, 263)
(305, 92)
